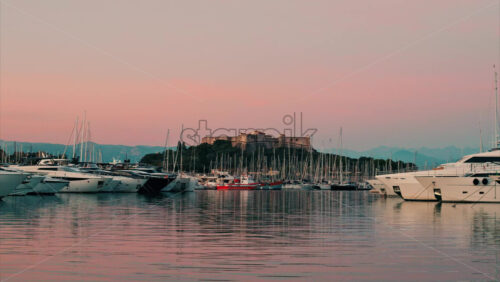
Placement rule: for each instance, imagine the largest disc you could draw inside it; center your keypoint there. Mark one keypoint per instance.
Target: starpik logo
(293, 127)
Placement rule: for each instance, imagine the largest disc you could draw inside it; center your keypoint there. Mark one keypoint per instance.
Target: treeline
(286, 162)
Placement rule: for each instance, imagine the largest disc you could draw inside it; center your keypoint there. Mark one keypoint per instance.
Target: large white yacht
(408, 187)
(79, 182)
(9, 180)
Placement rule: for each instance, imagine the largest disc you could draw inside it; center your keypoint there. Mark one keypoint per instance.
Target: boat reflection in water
(246, 235)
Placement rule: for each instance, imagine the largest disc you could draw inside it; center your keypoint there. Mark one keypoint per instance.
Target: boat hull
(27, 186)
(343, 187)
(412, 190)
(129, 185)
(272, 186)
(49, 187)
(464, 189)
(92, 185)
(239, 187)
(154, 185)
(9, 182)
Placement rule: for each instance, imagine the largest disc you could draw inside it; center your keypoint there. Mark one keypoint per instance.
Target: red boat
(245, 184)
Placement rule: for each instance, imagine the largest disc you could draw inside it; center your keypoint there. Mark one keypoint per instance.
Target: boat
(79, 182)
(473, 188)
(245, 183)
(9, 180)
(409, 188)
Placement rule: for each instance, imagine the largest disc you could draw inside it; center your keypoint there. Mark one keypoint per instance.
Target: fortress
(257, 139)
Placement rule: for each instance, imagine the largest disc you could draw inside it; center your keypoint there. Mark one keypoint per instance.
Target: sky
(390, 72)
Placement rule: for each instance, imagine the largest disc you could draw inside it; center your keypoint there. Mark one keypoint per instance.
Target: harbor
(283, 140)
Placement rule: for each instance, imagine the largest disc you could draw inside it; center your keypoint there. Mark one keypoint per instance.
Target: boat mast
(340, 165)
(496, 107)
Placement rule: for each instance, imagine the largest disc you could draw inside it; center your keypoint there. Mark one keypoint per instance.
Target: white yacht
(408, 187)
(79, 182)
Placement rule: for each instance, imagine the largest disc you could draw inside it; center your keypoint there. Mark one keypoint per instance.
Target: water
(246, 235)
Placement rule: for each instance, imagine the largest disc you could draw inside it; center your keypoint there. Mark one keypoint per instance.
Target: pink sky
(390, 72)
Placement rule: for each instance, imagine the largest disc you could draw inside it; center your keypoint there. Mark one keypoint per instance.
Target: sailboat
(341, 186)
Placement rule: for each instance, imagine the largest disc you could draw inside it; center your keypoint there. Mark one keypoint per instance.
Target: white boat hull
(92, 185)
(27, 186)
(128, 184)
(9, 181)
(49, 186)
(387, 189)
(407, 186)
(110, 184)
(463, 189)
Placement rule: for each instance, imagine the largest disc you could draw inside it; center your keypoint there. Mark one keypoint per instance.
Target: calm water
(247, 235)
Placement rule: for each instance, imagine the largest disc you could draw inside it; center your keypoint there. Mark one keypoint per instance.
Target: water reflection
(245, 235)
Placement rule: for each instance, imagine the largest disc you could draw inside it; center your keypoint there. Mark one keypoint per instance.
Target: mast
(340, 165)
(496, 107)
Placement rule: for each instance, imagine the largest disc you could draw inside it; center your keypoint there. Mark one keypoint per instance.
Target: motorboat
(409, 188)
(79, 182)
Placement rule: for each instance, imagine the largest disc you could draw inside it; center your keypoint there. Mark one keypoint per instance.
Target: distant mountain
(109, 152)
(425, 157)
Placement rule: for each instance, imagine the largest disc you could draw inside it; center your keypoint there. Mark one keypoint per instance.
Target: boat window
(481, 192)
(483, 160)
(464, 192)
